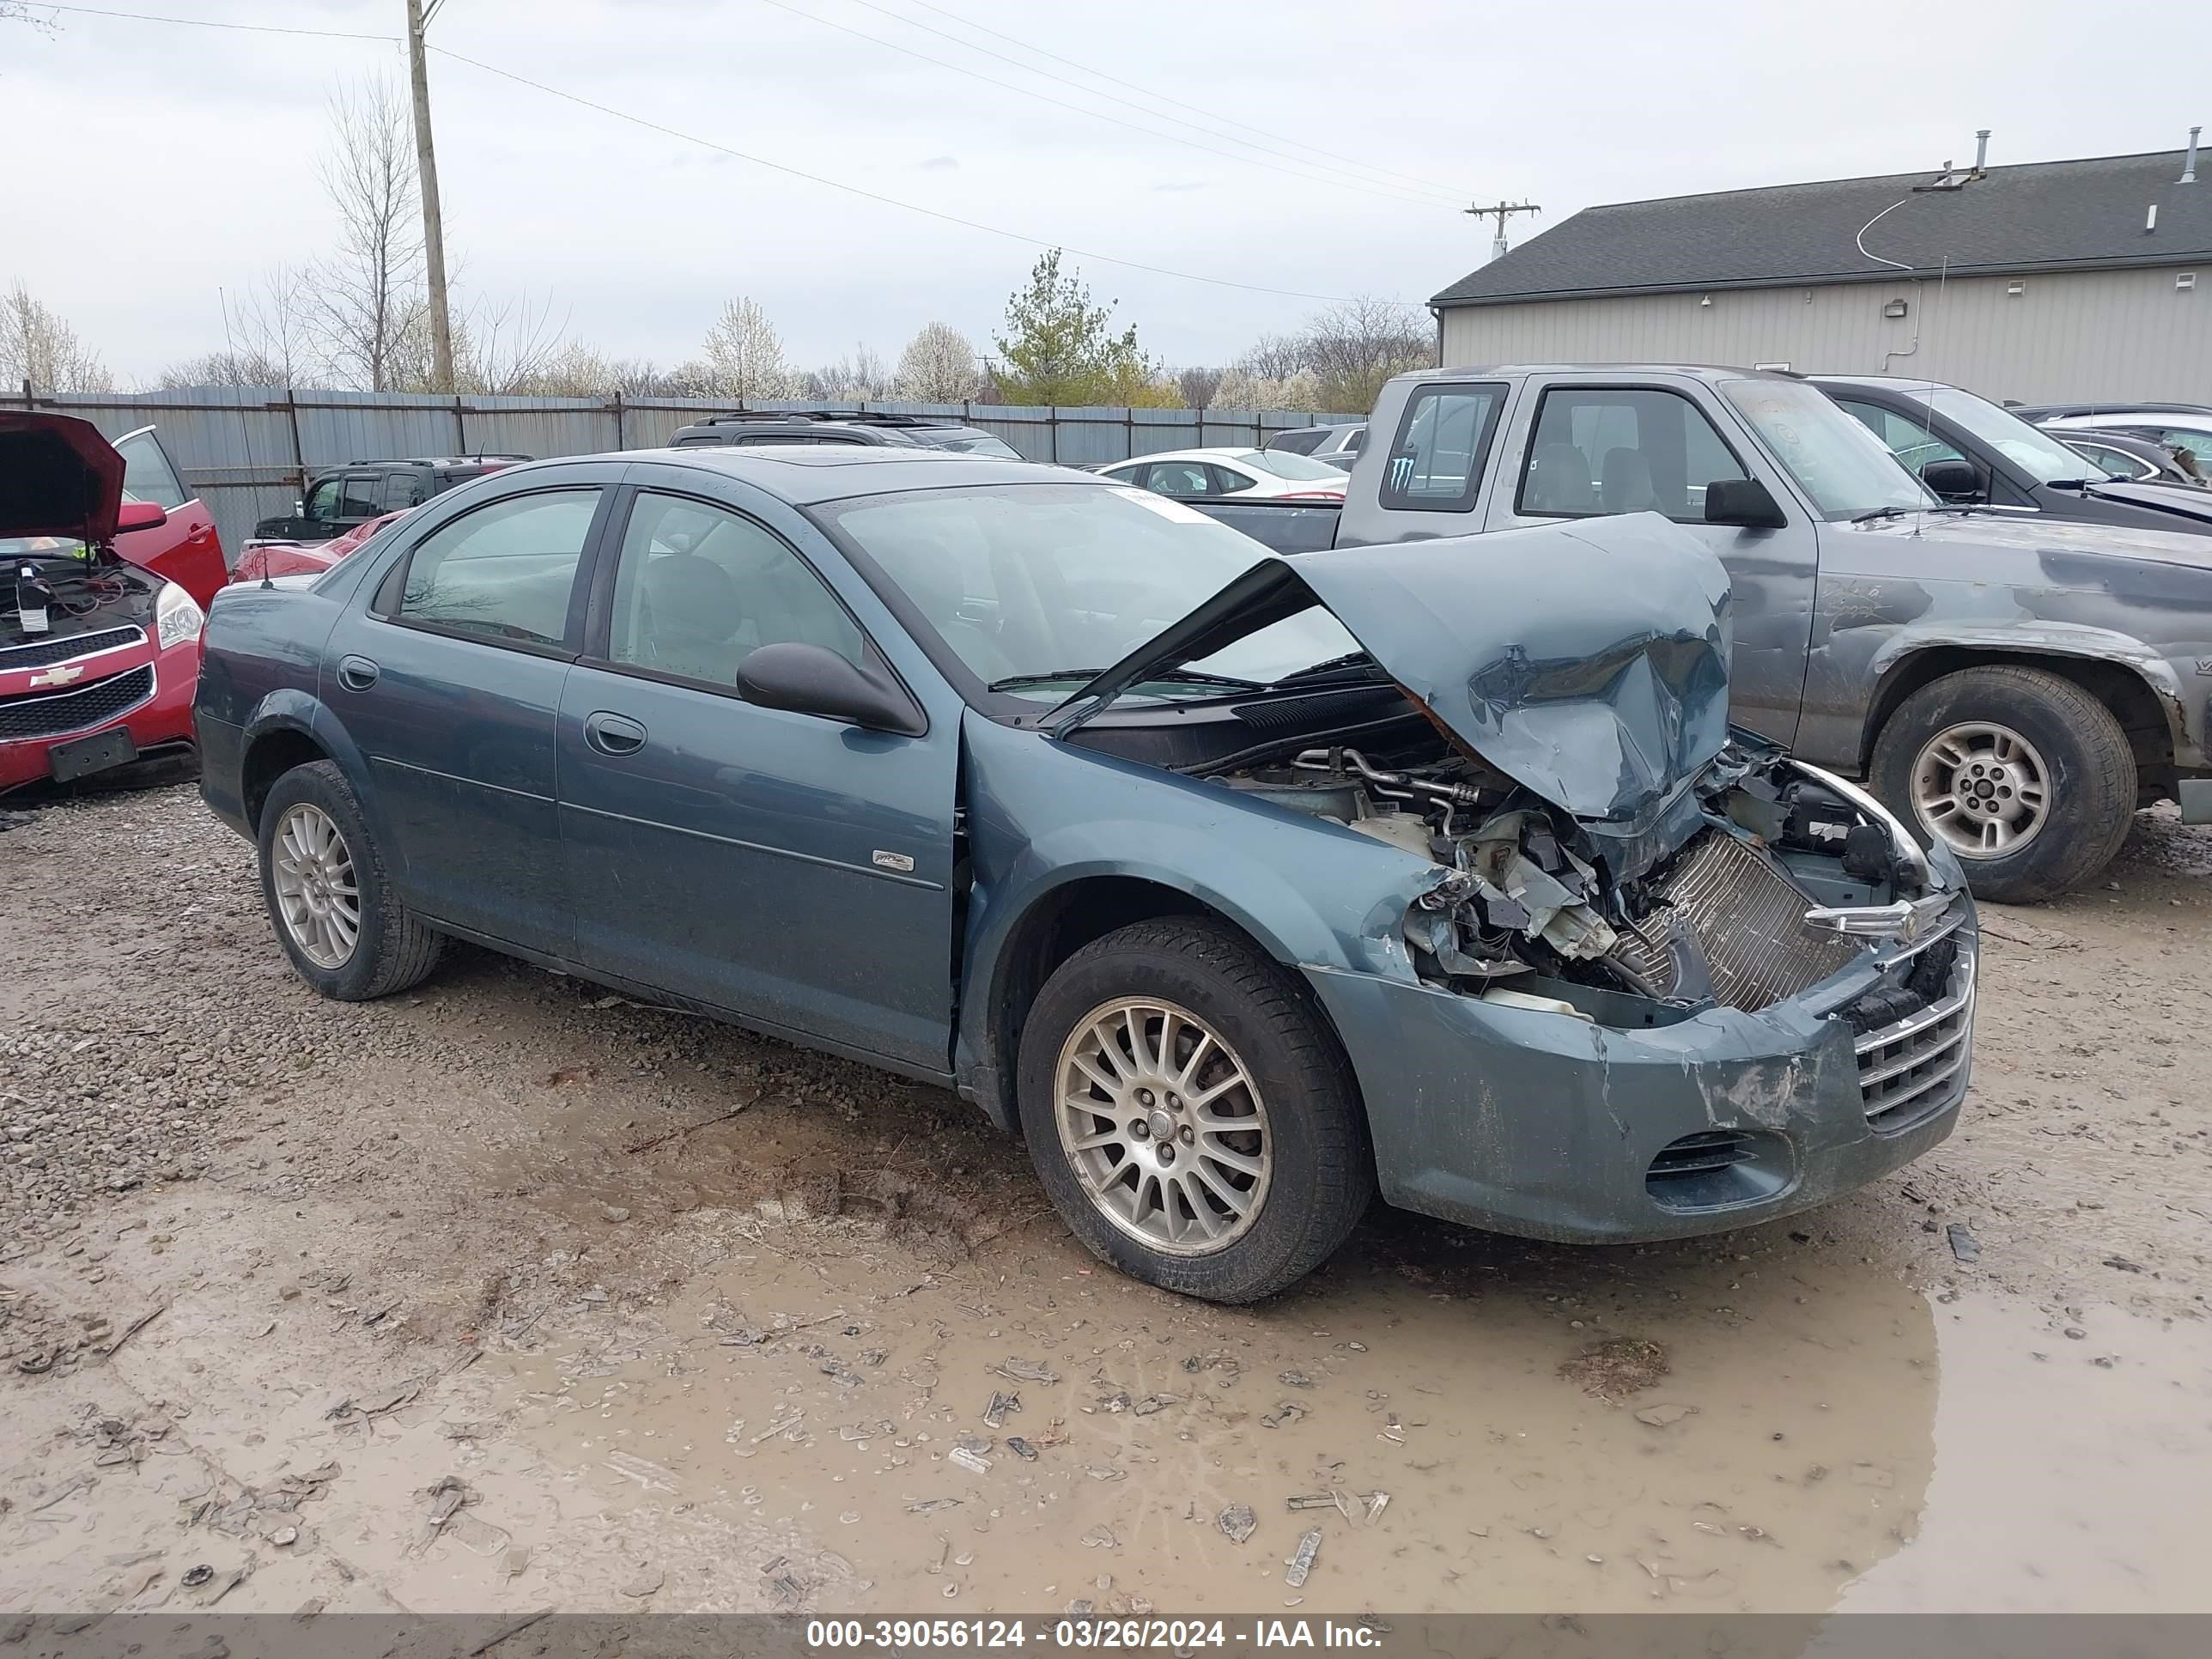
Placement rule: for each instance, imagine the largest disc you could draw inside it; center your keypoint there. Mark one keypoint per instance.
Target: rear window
(1435, 467)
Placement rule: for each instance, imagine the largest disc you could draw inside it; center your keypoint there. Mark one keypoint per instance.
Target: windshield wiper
(1349, 660)
(1903, 512)
(1178, 677)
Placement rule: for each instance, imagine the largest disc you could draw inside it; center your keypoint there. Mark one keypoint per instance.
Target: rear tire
(328, 898)
(1239, 1190)
(1963, 751)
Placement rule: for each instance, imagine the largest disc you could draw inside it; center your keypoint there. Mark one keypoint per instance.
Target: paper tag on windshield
(1173, 510)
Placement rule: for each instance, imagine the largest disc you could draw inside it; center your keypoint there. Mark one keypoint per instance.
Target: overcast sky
(154, 165)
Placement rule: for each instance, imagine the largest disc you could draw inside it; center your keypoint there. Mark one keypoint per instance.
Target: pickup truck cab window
(1436, 465)
(698, 588)
(505, 572)
(358, 496)
(1622, 449)
(322, 502)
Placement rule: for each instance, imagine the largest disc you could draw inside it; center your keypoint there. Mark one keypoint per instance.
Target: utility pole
(1501, 213)
(426, 176)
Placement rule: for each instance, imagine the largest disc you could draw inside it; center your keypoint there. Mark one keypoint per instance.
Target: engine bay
(52, 589)
(1529, 909)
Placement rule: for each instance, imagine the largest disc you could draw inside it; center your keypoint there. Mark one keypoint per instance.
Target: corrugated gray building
(2044, 283)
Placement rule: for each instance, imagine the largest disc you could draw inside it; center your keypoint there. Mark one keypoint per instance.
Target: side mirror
(1744, 502)
(139, 515)
(1953, 481)
(808, 679)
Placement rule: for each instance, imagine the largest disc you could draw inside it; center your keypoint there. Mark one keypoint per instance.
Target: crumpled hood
(58, 476)
(1588, 661)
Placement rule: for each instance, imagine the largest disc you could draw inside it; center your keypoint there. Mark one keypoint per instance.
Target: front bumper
(1547, 1126)
(159, 720)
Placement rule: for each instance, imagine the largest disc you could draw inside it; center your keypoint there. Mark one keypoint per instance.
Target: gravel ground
(246, 1234)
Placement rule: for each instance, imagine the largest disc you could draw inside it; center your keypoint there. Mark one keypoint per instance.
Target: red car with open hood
(107, 566)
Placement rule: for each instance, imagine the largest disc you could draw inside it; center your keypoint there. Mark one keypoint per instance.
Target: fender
(289, 709)
(2048, 639)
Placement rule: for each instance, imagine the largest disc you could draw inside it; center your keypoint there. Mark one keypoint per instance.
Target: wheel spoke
(1185, 1171)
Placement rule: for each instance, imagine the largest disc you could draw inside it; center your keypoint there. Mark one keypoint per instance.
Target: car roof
(1711, 373)
(802, 474)
(1216, 453)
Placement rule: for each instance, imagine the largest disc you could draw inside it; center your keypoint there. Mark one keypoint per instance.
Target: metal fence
(246, 450)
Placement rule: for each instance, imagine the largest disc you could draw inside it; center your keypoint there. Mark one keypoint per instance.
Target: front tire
(328, 898)
(1189, 1113)
(2026, 776)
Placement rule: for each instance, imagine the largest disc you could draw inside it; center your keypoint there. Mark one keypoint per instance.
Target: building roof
(2040, 216)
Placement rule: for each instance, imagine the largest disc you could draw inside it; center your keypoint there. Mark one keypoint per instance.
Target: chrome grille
(43, 651)
(1904, 1066)
(54, 714)
(1748, 920)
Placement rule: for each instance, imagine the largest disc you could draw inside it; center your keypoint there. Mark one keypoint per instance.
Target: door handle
(613, 734)
(357, 673)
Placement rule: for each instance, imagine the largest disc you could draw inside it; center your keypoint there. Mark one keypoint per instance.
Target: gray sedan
(1237, 887)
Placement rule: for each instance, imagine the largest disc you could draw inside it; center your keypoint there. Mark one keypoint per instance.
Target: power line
(210, 23)
(738, 155)
(1346, 179)
(888, 201)
(1100, 115)
(1158, 97)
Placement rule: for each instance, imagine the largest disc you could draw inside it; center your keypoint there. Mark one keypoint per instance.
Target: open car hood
(58, 476)
(1588, 661)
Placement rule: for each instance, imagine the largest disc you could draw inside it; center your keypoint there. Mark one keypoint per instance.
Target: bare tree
(862, 378)
(504, 347)
(937, 366)
(1198, 386)
(1354, 346)
(745, 354)
(368, 293)
(37, 346)
(267, 336)
(1274, 357)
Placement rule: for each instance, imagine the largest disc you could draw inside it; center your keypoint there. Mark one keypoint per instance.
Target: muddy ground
(505, 1294)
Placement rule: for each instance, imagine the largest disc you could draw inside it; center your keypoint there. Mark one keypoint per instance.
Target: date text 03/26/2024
(1168, 1635)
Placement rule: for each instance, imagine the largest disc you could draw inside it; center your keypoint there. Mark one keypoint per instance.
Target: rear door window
(1622, 449)
(1436, 465)
(503, 573)
(147, 474)
(358, 496)
(1227, 481)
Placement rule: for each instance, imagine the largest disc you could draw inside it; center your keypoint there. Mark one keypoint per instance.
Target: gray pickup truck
(2012, 685)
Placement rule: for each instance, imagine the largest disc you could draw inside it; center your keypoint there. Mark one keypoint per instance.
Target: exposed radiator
(1745, 917)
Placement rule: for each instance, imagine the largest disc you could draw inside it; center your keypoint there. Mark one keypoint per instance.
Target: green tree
(1058, 348)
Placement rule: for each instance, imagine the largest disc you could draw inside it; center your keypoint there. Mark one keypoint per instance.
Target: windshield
(2030, 448)
(1036, 588)
(1283, 465)
(977, 443)
(1843, 467)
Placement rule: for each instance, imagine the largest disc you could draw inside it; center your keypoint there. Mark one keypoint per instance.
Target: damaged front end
(1657, 975)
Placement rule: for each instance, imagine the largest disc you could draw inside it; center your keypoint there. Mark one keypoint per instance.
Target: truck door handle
(613, 734)
(356, 673)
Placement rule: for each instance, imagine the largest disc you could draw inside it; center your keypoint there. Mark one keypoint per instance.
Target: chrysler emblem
(61, 676)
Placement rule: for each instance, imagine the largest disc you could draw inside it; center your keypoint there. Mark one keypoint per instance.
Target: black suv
(339, 497)
(834, 426)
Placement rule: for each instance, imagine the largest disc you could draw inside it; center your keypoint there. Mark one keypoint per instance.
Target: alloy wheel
(1983, 787)
(317, 896)
(1163, 1126)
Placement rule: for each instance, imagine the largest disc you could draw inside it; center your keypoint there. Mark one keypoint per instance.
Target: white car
(1214, 474)
(2172, 426)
